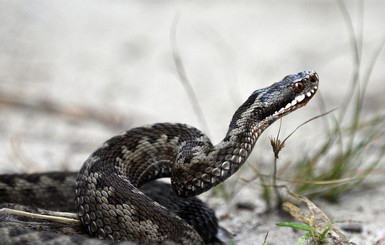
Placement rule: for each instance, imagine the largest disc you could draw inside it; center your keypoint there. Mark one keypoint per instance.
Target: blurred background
(74, 73)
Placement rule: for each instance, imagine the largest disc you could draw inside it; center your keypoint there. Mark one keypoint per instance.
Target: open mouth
(299, 101)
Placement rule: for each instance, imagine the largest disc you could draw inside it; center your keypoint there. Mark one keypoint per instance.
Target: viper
(115, 195)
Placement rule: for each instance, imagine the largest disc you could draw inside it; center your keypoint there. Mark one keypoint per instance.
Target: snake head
(266, 105)
(289, 94)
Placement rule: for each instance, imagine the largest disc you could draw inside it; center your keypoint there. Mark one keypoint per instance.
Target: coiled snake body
(109, 202)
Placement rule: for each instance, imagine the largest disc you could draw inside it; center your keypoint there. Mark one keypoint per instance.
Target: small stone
(352, 227)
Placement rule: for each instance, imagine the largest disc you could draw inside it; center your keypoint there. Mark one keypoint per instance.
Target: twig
(105, 117)
(60, 217)
(183, 77)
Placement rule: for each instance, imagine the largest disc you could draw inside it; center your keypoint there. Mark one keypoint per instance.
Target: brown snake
(108, 198)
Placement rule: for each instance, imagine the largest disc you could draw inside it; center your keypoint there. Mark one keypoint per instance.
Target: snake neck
(212, 165)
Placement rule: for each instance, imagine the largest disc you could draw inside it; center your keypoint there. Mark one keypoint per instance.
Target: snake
(116, 194)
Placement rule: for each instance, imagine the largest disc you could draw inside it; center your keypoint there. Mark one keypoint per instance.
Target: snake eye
(299, 86)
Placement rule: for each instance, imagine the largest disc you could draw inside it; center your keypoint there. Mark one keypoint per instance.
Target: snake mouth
(298, 102)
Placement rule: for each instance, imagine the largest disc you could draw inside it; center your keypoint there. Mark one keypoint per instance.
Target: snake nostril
(314, 78)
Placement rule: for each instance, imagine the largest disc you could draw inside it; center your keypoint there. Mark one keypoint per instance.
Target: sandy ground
(74, 73)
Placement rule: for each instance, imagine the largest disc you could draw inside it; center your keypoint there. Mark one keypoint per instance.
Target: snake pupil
(299, 86)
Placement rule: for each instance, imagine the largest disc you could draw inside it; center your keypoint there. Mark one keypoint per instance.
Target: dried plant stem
(184, 79)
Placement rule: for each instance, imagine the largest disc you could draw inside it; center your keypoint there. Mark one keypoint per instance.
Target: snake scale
(114, 195)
